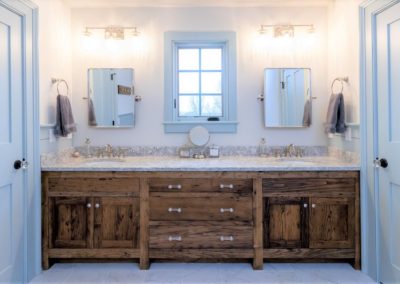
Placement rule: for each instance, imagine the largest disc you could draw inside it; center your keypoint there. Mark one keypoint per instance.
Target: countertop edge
(271, 169)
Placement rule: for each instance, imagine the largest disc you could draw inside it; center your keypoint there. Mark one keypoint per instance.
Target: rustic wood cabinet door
(71, 220)
(116, 222)
(285, 222)
(332, 222)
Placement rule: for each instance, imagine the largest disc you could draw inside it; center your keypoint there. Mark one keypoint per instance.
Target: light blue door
(388, 122)
(12, 243)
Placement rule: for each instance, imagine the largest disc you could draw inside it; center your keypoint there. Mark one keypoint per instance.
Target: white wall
(147, 58)
(344, 60)
(55, 53)
(54, 61)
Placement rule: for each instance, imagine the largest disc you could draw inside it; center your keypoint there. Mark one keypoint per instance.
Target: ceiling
(195, 3)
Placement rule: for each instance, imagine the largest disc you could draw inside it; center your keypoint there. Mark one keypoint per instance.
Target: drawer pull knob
(222, 186)
(223, 210)
(178, 210)
(226, 238)
(89, 205)
(313, 205)
(174, 186)
(97, 205)
(305, 205)
(175, 238)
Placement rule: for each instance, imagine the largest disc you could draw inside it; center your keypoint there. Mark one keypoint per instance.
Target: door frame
(28, 11)
(370, 234)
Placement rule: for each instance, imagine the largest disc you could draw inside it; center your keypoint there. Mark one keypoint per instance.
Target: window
(200, 81)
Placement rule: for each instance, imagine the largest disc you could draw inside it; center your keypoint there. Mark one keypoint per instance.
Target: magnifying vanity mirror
(111, 99)
(287, 97)
(199, 136)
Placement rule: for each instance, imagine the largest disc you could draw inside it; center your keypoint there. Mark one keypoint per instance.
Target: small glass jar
(262, 148)
(213, 151)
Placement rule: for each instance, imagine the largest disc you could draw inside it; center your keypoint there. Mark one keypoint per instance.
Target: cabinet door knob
(175, 238)
(222, 186)
(97, 205)
(223, 210)
(178, 210)
(174, 186)
(89, 205)
(313, 205)
(305, 205)
(226, 238)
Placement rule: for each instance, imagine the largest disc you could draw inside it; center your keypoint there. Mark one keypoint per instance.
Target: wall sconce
(113, 32)
(284, 30)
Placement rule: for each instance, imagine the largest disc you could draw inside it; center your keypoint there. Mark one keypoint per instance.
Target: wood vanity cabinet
(193, 216)
(313, 215)
(90, 215)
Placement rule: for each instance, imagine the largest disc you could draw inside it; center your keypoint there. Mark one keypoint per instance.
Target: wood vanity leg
(357, 241)
(258, 261)
(144, 224)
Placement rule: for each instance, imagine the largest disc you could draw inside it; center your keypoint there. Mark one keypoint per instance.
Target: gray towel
(335, 115)
(307, 114)
(92, 114)
(65, 121)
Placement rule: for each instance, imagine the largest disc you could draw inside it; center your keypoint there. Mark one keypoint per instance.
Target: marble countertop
(172, 163)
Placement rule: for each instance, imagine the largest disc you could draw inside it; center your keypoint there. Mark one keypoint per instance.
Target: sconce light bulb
(107, 34)
(311, 29)
(262, 30)
(87, 32)
(135, 32)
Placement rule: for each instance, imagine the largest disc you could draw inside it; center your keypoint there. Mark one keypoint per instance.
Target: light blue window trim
(174, 40)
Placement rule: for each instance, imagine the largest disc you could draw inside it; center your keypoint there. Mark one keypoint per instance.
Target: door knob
(381, 163)
(18, 164)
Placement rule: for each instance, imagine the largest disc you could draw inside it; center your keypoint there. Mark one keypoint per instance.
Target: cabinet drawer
(201, 208)
(200, 185)
(309, 186)
(190, 235)
(93, 184)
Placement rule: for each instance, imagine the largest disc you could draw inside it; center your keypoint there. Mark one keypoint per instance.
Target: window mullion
(200, 91)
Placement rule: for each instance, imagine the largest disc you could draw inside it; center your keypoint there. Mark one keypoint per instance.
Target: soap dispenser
(262, 148)
(88, 142)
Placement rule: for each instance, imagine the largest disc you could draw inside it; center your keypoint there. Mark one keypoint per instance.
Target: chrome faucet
(291, 150)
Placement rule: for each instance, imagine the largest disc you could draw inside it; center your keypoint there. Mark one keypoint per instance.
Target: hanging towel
(92, 114)
(307, 114)
(65, 121)
(335, 115)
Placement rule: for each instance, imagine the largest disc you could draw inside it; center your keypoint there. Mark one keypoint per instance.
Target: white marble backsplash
(225, 151)
(346, 156)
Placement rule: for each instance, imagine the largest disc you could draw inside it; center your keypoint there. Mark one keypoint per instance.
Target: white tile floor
(201, 273)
